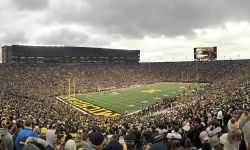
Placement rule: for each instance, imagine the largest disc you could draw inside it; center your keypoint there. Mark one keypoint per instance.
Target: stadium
(114, 97)
(124, 75)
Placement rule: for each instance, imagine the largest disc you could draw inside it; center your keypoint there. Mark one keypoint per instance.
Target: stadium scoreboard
(205, 53)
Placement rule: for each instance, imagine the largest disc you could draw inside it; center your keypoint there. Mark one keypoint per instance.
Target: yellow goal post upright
(74, 88)
(69, 87)
(74, 84)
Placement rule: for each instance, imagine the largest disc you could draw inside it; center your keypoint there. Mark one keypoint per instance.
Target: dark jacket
(196, 136)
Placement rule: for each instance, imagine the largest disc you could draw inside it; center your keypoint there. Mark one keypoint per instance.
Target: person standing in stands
(232, 139)
(26, 132)
(198, 128)
(245, 128)
(220, 117)
(6, 141)
(50, 138)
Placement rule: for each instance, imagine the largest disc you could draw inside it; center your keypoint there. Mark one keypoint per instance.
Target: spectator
(232, 139)
(206, 146)
(220, 117)
(204, 137)
(189, 145)
(198, 128)
(6, 141)
(85, 142)
(213, 129)
(50, 138)
(26, 132)
(159, 142)
(245, 127)
(97, 141)
(175, 135)
(38, 142)
(30, 147)
(70, 145)
(130, 140)
(114, 145)
(176, 145)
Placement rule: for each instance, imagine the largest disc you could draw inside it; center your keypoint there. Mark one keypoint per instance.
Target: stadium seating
(28, 91)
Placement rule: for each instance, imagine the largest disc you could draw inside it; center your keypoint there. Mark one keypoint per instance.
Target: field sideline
(132, 99)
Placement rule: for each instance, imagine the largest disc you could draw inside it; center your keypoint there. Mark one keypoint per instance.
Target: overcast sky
(164, 30)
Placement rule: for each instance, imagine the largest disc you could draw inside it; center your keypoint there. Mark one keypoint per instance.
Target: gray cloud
(153, 26)
(136, 18)
(14, 38)
(98, 42)
(10, 38)
(30, 4)
(63, 36)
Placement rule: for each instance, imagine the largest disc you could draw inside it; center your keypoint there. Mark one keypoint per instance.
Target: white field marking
(134, 112)
(165, 95)
(157, 98)
(173, 92)
(180, 90)
(131, 105)
(144, 102)
(114, 93)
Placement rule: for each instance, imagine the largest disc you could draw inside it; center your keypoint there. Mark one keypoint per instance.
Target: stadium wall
(53, 54)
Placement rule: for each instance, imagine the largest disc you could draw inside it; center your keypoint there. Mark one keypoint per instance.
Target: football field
(131, 99)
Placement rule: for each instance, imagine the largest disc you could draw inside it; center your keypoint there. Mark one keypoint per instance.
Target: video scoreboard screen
(205, 53)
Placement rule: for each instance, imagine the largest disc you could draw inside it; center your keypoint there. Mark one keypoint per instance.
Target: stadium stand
(214, 117)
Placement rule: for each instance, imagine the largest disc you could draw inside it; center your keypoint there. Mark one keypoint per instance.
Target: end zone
(88, 108)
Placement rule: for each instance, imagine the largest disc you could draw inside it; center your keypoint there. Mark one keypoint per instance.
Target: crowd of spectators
(212, 117)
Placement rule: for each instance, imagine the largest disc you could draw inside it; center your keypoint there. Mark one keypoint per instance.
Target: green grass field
(134, 99)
